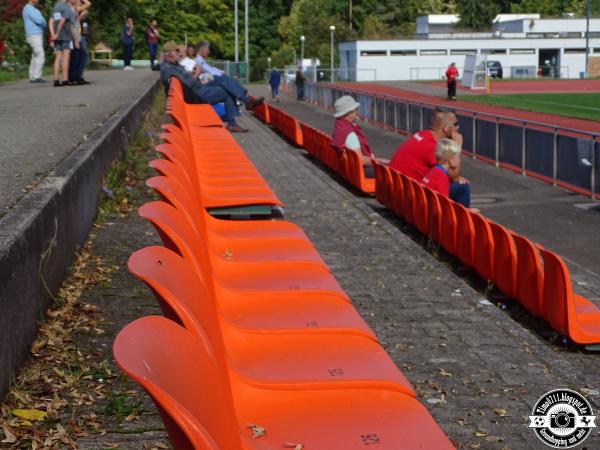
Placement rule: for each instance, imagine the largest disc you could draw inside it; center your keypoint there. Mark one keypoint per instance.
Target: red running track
(538, 86)
(516, 115)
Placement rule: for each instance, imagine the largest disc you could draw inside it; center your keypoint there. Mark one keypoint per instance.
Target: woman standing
(127, 40)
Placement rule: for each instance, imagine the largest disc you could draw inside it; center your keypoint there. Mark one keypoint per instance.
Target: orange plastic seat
(248, 278)
(186, 381)
(465, 234)
(287, 358)
(408, 205)
(530, 278)
(421, 209)
(434, 214)
(397, 192)
(567, 313)
(483, 250)
(448, 238)
(504, 275)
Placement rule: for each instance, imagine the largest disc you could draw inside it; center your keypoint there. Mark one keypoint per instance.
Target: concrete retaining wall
(53, 220)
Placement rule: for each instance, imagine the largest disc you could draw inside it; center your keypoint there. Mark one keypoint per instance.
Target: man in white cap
(348, 135)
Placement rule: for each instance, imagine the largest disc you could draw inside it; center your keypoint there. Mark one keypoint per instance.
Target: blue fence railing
(565, 157)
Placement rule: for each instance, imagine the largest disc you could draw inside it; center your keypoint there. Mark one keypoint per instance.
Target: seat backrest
(434, 214)
(465, 234)
(530, 277)
(380, 182)
(397, 192)
(448, 226)
(178, 235)
(558, 291)
(388, 185)
(408, 203)
(190, 388)
(182, 295)
(171, 170)
(504, 275)
(421, 209)
(483, 247)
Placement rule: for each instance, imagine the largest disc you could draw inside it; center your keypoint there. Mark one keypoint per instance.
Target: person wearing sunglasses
(416, 156)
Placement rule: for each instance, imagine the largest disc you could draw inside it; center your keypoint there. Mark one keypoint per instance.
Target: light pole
(587, 37)
(332, 30)
(236, 31)
(269, 62)
(247, 46)
(302, 39)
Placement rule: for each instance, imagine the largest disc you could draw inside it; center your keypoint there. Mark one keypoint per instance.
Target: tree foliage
(476, 14)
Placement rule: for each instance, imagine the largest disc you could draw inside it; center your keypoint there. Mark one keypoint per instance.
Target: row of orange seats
(346, 164)
(510, 261)
(260, 348)
(514, 264)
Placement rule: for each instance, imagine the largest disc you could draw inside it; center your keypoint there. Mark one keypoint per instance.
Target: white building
(521, 43)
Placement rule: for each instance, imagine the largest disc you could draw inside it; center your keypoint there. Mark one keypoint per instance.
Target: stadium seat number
(370, 439)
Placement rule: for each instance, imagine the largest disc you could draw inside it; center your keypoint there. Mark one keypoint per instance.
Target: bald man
(416, 156)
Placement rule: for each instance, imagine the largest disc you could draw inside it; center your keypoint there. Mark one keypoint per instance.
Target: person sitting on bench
(211, 92)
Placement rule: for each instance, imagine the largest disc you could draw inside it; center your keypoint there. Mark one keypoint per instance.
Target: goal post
(475, 72)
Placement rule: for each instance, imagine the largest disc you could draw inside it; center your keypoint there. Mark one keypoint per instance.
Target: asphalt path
(40, 125)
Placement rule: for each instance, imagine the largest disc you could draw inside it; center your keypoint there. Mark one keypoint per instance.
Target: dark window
(403, 52)
(463, 52)
(373, 53)
(433, 52)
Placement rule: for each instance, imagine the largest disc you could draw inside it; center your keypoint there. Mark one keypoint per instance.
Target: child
(447, 157)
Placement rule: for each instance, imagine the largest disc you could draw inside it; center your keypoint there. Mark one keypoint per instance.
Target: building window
(463, 52)
(433, 52)
(574, 51)
(594, 34)
(535, 35)
(493, 51)
(403, 52)
(522, 51)
(373, 53)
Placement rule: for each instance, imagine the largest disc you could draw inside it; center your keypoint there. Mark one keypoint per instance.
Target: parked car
(494, 69)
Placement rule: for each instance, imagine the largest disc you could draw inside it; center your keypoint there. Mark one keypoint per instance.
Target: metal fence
(237, 70)
(438, 73)
(565, 157)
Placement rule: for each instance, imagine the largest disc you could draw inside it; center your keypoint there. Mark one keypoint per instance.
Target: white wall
(393, 67)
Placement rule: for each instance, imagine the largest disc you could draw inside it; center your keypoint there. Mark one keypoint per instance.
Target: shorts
(59, 46)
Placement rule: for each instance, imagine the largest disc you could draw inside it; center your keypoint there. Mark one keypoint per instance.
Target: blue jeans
(83, 57)
(232, 86)
(127, 53)
(212, 93)
(152, 48)
(274, 91)
(461, 193)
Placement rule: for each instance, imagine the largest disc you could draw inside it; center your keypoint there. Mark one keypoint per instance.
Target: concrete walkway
(543, 213)
(40, 124)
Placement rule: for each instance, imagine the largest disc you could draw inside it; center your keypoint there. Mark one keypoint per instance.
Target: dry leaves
(39, 411)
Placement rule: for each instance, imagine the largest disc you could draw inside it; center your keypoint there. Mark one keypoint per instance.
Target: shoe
(236, 129)
(82, 81)
(251, 104)
(38, 80)
(128, 68)
(57, 83)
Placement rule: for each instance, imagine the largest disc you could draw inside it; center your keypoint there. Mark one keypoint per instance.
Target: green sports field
(580, 105)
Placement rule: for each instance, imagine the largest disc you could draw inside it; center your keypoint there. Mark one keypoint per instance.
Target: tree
(476, 14)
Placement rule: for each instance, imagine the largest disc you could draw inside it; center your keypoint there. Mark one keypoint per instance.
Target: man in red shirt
(447, 156)
(415, 156)
(451, 76)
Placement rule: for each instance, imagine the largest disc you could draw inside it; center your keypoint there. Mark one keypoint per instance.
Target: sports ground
(571, 98)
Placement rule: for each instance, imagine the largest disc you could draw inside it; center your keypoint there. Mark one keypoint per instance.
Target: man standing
(274, 82)
(197, 92)
(300, 79)
(152, 37)
(62, 34)
(451, 76)
(34, 31)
